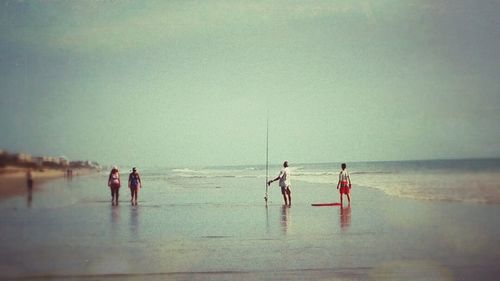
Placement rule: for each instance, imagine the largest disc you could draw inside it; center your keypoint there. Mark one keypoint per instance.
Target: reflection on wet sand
(268, 226)
(115, 220)
(345, 217)
(134, 222)
(285, 218)
(115, 214)
(29, 198)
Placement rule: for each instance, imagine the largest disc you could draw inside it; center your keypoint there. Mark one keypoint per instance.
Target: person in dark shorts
(135, 184)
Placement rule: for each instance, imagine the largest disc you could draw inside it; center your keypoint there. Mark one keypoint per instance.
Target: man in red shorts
(344, 183)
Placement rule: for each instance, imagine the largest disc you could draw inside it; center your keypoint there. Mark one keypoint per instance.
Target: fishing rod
(267, 156)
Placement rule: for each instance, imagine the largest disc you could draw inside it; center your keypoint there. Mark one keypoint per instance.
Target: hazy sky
(190, 82)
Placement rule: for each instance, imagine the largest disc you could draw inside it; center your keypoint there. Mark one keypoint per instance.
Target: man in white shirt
(284, 178)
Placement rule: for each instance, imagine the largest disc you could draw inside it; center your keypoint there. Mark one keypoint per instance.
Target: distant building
(23, 157)
(85, 164)
(51, 161)
(63, 161)
(38, 160)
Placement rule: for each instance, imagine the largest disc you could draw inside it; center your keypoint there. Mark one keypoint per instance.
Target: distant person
(284, 178)
(114, 184)
(29, 180)
(344, 183)
(134, 183)
(29, 184)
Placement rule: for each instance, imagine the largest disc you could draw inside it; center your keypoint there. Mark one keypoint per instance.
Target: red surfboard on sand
(325, 204)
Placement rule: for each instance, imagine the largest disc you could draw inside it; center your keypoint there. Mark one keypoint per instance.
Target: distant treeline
(30, 161)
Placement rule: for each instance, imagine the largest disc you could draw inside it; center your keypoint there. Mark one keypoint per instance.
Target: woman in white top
(114, 184)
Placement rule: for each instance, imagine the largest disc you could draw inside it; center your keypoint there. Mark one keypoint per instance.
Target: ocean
(463, 180)
(433, 220)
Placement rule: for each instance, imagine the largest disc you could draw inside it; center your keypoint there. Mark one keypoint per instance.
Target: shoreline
(13, 179)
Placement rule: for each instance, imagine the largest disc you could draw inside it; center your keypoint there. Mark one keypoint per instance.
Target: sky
(180, 83)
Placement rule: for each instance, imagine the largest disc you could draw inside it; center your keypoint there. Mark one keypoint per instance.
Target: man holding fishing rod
(284, 178)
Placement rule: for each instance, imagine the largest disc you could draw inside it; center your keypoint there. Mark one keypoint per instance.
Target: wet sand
(13, 180)
(187, 232)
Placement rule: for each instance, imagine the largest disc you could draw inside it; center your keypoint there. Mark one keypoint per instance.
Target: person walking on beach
(134, 183)
(114, 184)
(284, 178)
(29, 180)
(344, 183)
(29, 184)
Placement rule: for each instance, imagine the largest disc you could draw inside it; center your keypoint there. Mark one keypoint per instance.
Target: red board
(325, 204)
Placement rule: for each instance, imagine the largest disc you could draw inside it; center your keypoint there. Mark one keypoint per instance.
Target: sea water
(471, 180)
(462, 180)
(213, 223)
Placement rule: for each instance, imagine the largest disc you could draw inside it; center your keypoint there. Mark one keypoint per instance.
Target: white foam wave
(462, 187)
(444, 183)
(184, 170)
(475, 187)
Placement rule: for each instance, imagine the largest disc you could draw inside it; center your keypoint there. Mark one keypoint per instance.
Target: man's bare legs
(287, 196)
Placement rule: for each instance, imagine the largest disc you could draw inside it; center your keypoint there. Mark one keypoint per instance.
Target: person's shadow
(345, 217)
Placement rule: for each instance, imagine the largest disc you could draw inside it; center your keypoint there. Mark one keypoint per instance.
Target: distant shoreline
(13, 180)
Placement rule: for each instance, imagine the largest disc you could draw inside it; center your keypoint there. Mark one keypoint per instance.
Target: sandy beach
(14, 183)
(218, 228)
(13, 180)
